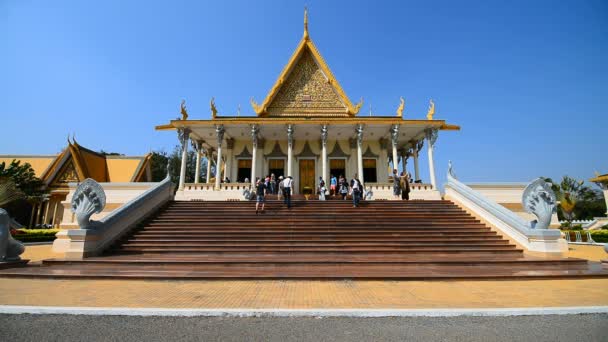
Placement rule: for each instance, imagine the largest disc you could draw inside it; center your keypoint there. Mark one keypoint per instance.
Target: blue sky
(526, 80)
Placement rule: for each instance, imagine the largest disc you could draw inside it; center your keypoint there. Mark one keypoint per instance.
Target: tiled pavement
(304, 294)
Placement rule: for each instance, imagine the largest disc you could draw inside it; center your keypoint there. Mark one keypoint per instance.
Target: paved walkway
(302, 294)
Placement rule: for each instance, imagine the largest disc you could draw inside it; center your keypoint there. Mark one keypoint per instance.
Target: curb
(489, 312)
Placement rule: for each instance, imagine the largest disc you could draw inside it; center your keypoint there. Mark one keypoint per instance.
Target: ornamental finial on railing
(451, 170)
(10, 249)
(89, 198)
(539, 199)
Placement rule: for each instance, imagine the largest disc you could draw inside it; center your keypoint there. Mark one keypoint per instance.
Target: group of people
(337, 186)
(340, 186)
(272, 185)
(401, 185)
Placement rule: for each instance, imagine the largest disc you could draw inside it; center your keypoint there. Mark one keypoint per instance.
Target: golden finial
(213, 109)
(183, 110)
(400, 108)
(305, 22)
(431, 112)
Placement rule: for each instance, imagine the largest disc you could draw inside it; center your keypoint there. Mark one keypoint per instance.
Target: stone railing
(505, 221)
(208, 192)
(99, 235)
(418, 191)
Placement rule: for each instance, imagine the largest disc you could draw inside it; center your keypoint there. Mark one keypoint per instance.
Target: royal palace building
(306, 127)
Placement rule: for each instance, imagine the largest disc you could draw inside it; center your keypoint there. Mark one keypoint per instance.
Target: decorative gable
(306, 89)
(67, 175)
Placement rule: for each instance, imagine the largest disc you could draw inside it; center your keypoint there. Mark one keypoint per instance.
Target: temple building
(307, 127)
(74, 164)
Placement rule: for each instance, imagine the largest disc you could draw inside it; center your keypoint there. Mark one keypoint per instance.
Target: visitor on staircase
(343, 186)
(273, 184)
(333, 184)
(260, 188)
(280, 188)
(321, 189)
(396, 185)
(404, 182)
(287, 183)
(357, 190)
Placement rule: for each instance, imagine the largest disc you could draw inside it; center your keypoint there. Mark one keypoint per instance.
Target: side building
(74, 164)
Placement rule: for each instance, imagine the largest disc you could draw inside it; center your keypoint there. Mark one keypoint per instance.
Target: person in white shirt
(287, 183)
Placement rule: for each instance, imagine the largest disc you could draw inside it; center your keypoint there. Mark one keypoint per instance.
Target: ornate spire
(305, 22)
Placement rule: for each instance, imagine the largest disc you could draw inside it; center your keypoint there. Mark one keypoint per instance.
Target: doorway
(307, 176)
(276, 167)
(337, 167)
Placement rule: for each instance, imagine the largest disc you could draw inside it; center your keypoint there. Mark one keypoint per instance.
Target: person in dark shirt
(356, 190)
(260, 190)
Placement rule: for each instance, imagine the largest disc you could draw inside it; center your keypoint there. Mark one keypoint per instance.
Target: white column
(208, 155)
(197, 173)
(359, 131)
(184, 135)
(33, 215)
(219, 131)
(394, 141)
(290, 130)
(229, 147)
(324, 134)
(417, 149)
(254, 139)
(431, 136)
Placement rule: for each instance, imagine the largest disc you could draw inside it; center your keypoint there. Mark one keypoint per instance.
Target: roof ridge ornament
(183, 110)
(431, 111)
(305, 22)
(400, 108)
(213, 108)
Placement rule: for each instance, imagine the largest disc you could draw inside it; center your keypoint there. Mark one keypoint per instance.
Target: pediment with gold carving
(306, 87)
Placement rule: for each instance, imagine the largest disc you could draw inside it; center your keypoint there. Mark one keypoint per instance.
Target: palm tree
(9, 192)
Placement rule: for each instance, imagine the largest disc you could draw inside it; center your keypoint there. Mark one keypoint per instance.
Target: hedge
(34, 235)
(599, 235)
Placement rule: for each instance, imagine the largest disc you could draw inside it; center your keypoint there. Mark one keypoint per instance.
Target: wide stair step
(315, 239)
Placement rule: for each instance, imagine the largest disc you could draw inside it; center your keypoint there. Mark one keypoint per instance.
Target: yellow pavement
(304, 294)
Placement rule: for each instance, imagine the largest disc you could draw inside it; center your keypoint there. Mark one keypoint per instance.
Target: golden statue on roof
(431, 112)
(400, 108)
(183, 110)
(213, 109)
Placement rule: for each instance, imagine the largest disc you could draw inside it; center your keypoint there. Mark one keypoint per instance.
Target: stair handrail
(134, 211)
(94, 237)
(512, 225)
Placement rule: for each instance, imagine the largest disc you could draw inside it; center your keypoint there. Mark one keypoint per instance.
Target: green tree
(24, 178)
(25, 181)
(577, 200)
(161, 158)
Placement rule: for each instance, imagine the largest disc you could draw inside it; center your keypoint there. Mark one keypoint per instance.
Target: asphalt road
(42, 328)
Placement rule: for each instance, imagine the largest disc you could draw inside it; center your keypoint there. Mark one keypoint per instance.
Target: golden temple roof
(76, 163)
(600, 178)
(306, 87)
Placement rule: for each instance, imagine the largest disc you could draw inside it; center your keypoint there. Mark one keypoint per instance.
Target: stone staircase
(314, 239)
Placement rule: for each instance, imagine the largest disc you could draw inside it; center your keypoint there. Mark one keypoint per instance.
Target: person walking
(396, 185)
(343, 187)
(356, 190)
(333, 185)
(260, 190)
(273, 184)
(280, 187)
(321, 190)
(404, 182)
(287, 183)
